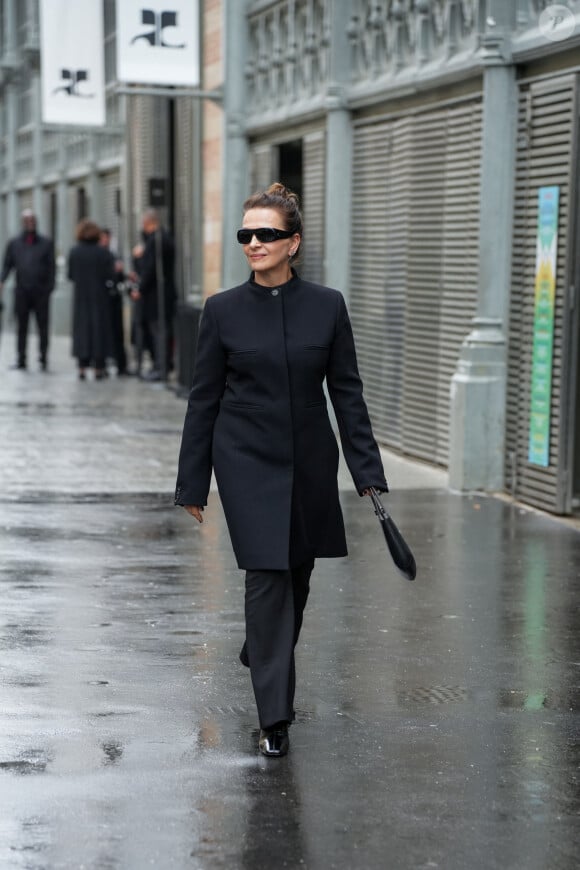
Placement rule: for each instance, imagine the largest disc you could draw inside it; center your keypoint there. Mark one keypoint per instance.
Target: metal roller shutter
(414, 267)
(263, 166)
(110, 187)
(312, 254)
(380, 230)
(546, 121)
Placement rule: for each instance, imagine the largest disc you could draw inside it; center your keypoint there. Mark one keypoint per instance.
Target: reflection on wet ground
(438, 723)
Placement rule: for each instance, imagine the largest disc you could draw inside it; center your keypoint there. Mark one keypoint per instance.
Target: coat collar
(260, 288)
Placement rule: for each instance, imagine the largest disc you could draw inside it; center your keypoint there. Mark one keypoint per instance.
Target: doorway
(290, 165)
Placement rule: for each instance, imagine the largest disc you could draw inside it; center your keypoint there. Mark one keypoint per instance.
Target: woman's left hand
(195, 511)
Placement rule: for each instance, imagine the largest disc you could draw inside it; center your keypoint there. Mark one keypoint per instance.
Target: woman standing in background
(91, 270)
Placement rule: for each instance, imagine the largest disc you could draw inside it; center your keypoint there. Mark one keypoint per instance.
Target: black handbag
(398, 547)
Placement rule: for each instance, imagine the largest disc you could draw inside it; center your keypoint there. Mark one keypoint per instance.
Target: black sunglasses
(263, 234)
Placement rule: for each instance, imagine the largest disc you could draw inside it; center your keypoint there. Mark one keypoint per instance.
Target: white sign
(72, 63)
(158, 42)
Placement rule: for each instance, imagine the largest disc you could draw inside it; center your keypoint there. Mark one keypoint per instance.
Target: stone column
(61, 298)
(11, 97)
(12, 212)
(338, 153)
(236, 151)
(94, 181)
(37, 142)
(478, 388)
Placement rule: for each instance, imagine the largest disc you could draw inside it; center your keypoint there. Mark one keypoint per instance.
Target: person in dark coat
(257, 415)
(32, 257)
(91, 270)
(154, 262)
(116, 288)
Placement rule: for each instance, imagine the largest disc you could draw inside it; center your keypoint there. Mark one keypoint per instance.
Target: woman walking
(91, 270)
(257, 415)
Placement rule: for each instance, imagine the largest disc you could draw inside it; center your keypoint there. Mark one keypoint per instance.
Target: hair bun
(278, 189)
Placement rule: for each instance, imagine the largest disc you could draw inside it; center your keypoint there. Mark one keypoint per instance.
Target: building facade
(66, 174)
(419, 134)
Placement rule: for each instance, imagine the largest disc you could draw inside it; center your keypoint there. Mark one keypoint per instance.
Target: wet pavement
(438, 722)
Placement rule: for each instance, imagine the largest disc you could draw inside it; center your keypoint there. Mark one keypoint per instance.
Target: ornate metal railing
(387, 36)
(289, 40)
(288, 52)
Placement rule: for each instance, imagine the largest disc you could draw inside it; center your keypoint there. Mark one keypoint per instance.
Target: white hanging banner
(158, 42)
(72, 62)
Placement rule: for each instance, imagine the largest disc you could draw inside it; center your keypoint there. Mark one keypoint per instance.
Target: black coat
(91, 268)
(257, 413)
(146, 268)
(34, 263)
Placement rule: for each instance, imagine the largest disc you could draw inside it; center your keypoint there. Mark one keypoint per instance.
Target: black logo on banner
(160, 21)
(74, 78)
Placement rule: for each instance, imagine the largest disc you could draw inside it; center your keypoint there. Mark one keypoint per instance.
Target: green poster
(545, 295)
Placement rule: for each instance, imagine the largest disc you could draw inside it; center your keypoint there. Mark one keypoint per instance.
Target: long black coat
(91, 268)
(257, 414)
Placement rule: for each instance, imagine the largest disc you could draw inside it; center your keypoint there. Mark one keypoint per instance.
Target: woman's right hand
(195, 511)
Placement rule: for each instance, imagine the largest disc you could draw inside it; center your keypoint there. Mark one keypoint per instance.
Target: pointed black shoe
(274, 742)
(244, 658)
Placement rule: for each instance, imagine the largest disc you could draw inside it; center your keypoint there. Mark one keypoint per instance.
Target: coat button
(275, 292)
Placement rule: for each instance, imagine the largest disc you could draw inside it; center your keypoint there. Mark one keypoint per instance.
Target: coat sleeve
(209, 380)
(8, 264)
(346, 393)
(146, 268)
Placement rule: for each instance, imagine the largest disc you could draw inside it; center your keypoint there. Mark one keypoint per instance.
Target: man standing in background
(154, 263)
(32, 257)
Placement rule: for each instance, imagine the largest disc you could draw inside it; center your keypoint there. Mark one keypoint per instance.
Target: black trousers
(274, 605)
(154, 329)
(117, 331)
(27, 301)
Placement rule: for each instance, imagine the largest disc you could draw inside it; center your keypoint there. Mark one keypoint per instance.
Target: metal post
(161, 337)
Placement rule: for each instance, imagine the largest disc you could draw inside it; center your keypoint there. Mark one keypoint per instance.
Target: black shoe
(274, 742)
(152, 376)
(19, 365)
(244, 658)
(43, 365)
